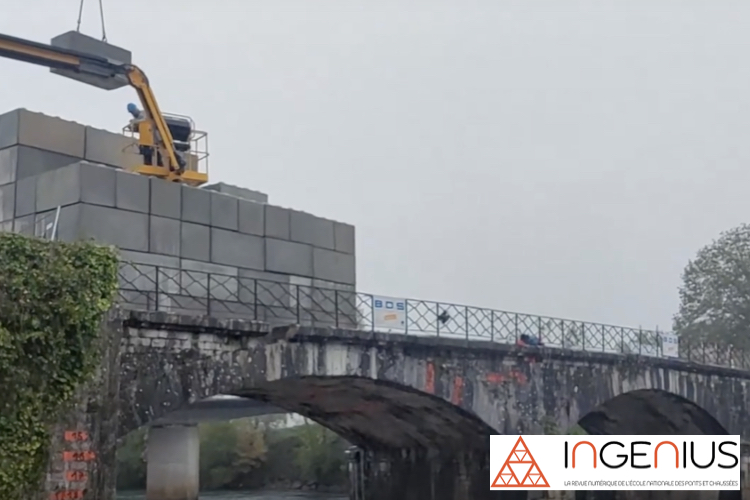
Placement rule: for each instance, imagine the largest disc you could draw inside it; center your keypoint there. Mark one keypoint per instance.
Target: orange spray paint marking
(520, 377)
(78, 456)
(76, 475)
(73, 436)
(429, 383)
(458, 390)
(512, 376)
(67, 495)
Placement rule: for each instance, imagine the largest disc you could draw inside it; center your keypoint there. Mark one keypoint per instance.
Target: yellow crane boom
(154, 131)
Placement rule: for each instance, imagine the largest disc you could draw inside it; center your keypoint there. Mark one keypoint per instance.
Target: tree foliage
(250, 449)
(230, 452)
(715, 293)
(52, 297)
(131, 461)
(320, 455)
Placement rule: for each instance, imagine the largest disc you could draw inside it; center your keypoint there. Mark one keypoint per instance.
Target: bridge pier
(173, 467)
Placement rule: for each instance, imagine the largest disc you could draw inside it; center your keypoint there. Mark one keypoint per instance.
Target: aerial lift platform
(169, 146)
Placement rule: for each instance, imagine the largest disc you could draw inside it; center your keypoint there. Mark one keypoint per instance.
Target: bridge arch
(380, 397)
(650, 411)
(377, 414)
(615, 394)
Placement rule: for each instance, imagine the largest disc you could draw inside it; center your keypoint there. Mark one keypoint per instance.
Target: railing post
(604, 339)
(298, 311)
(372, 312)
(406, 316)
(659, 346)
(622, 340)
(437, 320)
(492, 325)
(466, 320)
(539, 328)
(640, 341)
(583, 336)
(336, 305)
(209, 294)
(730, 355)
(562, 330)
(515, 326)
(255, 298)
(157, 288)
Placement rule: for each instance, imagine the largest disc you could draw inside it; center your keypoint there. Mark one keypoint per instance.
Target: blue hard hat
(132, 108)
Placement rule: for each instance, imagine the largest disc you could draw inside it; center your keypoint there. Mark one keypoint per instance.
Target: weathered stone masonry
(430, 402)
(351, 379)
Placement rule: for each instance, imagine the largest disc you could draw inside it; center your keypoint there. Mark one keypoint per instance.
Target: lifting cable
(101, 17)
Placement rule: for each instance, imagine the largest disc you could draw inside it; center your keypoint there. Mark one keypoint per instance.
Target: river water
(238, 495)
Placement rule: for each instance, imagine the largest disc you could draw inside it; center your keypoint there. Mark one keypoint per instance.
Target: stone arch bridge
(425, 405)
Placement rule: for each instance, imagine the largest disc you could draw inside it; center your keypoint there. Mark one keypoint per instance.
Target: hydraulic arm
(154, 131)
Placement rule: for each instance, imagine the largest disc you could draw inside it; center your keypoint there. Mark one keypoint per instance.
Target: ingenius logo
(615, 462)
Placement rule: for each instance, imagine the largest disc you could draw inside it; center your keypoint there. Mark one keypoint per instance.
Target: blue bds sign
(389, 313)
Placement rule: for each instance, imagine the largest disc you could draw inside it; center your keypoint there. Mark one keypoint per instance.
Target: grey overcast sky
(554, 157)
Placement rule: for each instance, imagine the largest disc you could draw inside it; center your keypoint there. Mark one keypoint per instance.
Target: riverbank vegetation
(52, 298)
(252, 453)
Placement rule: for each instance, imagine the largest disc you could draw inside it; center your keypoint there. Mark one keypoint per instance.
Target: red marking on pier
(429, 383)
(72, 436)
(512, 375)
(76, 475)
(458, 390)
(67, 495)
(78, 456)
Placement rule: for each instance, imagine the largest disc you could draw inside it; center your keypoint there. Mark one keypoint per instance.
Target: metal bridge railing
(184, 291)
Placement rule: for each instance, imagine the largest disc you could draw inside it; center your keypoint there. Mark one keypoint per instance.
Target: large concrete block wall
(228, 231)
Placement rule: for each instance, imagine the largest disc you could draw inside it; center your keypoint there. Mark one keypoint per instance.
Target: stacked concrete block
(222, 247)
(7, 202)
(33, 143)
(215, 251)
(239, 192)
(86, 195)
(77, 41)
(108, 148)
(74, 40)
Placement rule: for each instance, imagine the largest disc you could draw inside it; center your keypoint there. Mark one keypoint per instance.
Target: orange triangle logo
(520, 470)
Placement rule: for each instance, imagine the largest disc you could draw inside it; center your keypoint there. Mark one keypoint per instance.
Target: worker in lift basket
(146, 151)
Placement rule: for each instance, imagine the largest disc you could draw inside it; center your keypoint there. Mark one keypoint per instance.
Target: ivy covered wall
(52, 299)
